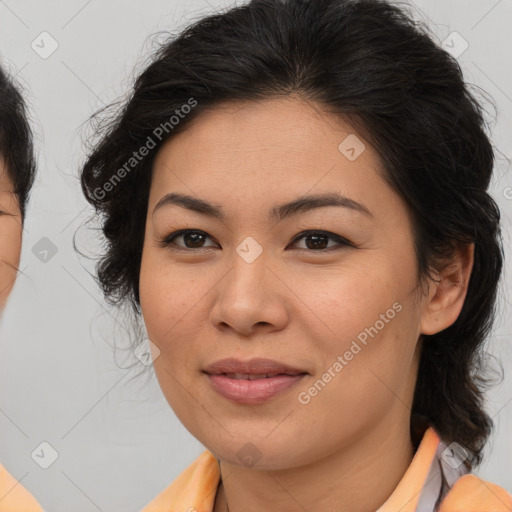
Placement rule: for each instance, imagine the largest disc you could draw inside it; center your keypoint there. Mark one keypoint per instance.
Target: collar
(419, 489)
(432, 472)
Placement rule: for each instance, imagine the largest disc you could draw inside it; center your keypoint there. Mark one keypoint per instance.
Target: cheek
(350, 301)
(163, 301)
(172, 301)
(10, 249)
(370, 340)
(153, 297)
(360, 383)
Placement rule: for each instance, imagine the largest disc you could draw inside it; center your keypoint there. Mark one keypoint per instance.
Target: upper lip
(252, 366)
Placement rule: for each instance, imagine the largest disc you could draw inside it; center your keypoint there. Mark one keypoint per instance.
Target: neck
(358, 478)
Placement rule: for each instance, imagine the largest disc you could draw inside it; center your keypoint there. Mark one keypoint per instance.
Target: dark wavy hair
(372, 64)
(16, 142)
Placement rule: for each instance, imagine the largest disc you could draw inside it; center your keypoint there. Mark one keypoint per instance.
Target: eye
(315, 240)
(192, 238)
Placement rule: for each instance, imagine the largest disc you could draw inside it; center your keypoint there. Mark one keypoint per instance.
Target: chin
(260, 455)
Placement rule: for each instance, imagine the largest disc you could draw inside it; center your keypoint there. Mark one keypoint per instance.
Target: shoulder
(472, 494)
(14, 497)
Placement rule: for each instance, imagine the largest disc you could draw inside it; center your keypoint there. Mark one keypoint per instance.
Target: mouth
(256, 368)
(257, 376)
(252, 389)
(252, 382)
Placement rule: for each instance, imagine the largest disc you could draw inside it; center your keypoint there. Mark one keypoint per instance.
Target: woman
(294, 200)
(17, 171)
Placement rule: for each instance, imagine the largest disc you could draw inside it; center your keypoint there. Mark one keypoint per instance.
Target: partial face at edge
(10, 235)
(302, 301)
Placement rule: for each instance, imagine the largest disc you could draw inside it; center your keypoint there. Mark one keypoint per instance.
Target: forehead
(262, 153)
(266, 127)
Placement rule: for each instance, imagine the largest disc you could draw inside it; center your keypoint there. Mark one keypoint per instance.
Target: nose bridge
(249, 267)
(246, 296)
(249, 250)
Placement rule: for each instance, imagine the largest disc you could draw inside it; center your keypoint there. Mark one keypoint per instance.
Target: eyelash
(168, 242)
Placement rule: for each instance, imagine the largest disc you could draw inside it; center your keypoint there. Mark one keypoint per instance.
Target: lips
(253, 369)
(251, 376)
(252, 382)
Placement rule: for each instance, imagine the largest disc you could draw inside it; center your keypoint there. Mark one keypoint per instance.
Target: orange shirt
(14, 497)
(418, 490)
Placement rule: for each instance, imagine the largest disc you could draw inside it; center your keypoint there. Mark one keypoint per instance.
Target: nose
(251, 299)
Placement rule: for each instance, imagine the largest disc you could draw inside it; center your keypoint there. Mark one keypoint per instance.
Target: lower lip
(244, 391)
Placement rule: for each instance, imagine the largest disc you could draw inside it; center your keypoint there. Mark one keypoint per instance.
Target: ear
(447, 294)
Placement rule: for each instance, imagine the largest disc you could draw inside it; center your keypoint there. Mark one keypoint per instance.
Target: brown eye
(192, 239)
(317, 241)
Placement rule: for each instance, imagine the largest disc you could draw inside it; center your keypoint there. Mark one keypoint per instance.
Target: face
(328, 290)
(10, 235)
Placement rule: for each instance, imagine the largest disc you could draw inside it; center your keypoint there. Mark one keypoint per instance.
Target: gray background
(118, 442)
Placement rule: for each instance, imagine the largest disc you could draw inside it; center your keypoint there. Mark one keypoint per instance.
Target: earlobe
(448, 292)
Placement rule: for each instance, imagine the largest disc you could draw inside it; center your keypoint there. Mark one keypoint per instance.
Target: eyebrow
(275, 214)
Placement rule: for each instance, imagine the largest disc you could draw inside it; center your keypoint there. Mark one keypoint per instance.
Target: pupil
(315, 239)
(194, 243)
